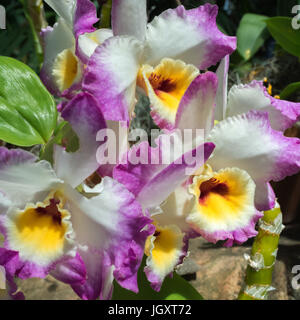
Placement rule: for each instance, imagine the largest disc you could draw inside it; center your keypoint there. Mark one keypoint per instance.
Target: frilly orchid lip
(224, 205)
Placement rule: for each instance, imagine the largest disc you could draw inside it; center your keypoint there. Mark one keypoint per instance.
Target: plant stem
(34, 13)
(263, 257)
(105, 21)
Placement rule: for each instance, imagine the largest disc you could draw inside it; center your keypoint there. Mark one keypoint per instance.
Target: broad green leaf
(175, 288)
(27, 110)
(282, 31)
(290, 89)
(251, 34)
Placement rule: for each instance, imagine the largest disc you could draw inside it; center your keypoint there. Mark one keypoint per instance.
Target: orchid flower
(161, 57)
(152, 182)
(69, 44)
(249, 153)
(49, 227)
(222, 200)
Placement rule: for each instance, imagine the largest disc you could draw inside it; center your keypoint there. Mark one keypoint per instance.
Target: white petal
(129, 17)
(64, 8)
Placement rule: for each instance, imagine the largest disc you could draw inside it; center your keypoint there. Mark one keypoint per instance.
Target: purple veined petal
(9, 259)
(222, 74)
(85, 17)
(113, 230)
(86, 119)
(160, 169)
(224, 206)
(117, 75)
(22, 180)
(70, 270)
(129, 17)
(196, 108)
(98, 276)
(248, 142)
(86, 35)
(204, 45)
(254, 96)
(265, 198)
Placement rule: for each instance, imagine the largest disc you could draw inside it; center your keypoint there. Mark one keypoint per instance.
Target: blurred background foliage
(267, 47)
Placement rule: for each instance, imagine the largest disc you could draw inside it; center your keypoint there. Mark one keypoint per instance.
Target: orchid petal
(85, 17)
(248, 142)
(222, 74)
(57, 40)
(71, 270)
(188, 35)
(110, 225)
(88, 42)
(165, 250)
(197, 106)
(129, 17)
(117, 75)
(22, 180)
(165, 86)
(86, 120)
(153, 179)
(224, 206)
(243, 98)
(64, 8)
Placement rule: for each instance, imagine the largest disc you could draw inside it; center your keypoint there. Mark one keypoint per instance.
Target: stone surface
(222, 270)
(46, 289)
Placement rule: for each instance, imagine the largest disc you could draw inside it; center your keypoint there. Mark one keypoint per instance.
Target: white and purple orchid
(49, 227)
(69, 44)
(161, 57)
(224, 198)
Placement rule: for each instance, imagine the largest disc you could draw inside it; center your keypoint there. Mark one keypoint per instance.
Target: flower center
(65, 69)
(223, 199)
(212, 185)
(166, 84)
(39, 231)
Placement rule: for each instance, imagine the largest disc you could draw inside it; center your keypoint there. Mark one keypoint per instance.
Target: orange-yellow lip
(223, 200)
(166, 84)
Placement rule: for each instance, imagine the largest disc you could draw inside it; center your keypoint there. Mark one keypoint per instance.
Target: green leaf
(175, 288)
(282, 31)
(63, 135)
(290, 89)
(251, 34)
(27, 110)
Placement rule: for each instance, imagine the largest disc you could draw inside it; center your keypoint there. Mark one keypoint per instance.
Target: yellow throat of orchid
(223, 200)
(166, 84)
(164, 248)
(66, 69)
(40, 229)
